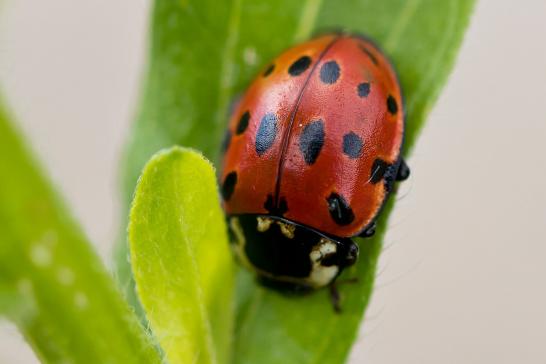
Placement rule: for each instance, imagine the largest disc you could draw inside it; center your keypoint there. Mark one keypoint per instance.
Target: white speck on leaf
(173, 20)
(40, 255)
(80, 300)
(249, 56)
(24, 286)
(65, 276)
(49, 238)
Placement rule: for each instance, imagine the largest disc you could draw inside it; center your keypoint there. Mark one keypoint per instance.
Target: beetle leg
(335, 297)
(334, 292)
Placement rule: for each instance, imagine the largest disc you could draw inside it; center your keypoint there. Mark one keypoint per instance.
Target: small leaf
(181, 259)
(52, 285)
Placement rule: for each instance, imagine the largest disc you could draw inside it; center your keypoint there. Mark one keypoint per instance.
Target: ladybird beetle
(311, 154)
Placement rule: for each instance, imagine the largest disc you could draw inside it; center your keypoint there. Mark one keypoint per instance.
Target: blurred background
(463, 275)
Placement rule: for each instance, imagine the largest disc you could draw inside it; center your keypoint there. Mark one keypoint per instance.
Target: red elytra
(317, 137)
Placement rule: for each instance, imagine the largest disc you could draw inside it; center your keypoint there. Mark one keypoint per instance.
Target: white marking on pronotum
(287, 229)
(321, 275)
(263, 224)
(240, 242)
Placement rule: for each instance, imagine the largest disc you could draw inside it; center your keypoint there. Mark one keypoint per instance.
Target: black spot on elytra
(390, 177)
(379, 168)
(403, 171)
(229, 185)
(340, 211)
(269, 69)
(363, 89)
(299, 66)
(352, 145)
(369, 54)
(269, 205)
(329, 72)
(392, 106)
(266, 133)
(243, 123)
(226, 141)
(312, 140)
(283, 206)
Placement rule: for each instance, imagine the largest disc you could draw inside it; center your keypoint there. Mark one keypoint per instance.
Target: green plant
(52, 285)
(201, 308)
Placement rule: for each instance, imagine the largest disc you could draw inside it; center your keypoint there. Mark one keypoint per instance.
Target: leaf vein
(400, 24)
(309, 16)
(228, 62)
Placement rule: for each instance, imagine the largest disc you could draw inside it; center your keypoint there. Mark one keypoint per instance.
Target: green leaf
(422, 38)
(52, 285)
(181, 259)
(203, 54)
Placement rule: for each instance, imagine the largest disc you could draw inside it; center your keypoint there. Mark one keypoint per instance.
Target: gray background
(462, 278)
